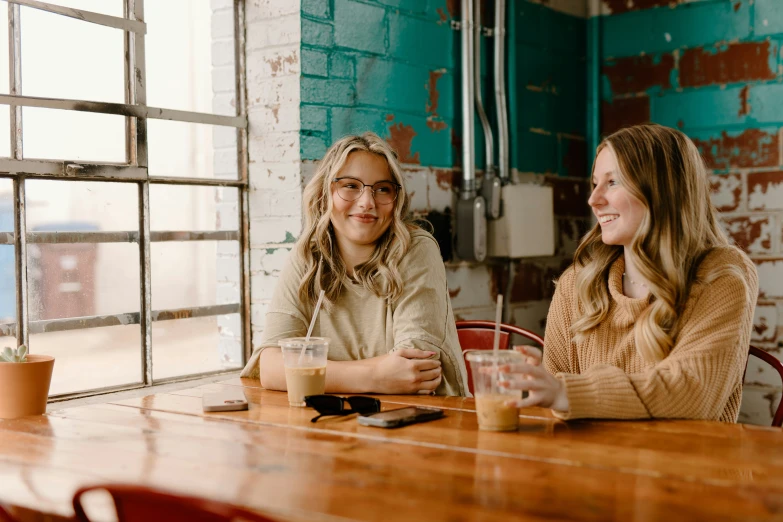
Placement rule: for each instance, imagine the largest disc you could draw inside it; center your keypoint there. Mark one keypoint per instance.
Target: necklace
(634, 282)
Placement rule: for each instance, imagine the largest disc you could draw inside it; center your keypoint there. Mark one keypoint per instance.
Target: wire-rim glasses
(327, 405)
(351, 189)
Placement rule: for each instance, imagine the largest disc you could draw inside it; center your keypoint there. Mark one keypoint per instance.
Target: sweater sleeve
(284, 317)
(422, 316)
(557, 337)
(696, 379)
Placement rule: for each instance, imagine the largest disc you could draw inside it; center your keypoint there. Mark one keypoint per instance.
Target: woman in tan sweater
(387, 310)
(653, 318)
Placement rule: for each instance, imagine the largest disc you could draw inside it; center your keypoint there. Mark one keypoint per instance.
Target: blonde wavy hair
(662, 168)
(317, 246)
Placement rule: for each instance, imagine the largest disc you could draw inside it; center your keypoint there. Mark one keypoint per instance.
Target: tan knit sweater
(701, 378)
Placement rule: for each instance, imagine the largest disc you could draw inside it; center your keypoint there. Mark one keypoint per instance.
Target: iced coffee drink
(305, 367)
(302, 382)
(491, 410)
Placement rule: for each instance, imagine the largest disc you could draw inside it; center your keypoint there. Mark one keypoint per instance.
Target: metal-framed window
(134, 174)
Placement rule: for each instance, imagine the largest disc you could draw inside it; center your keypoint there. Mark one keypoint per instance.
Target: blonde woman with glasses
(653, 318)
(386, 310)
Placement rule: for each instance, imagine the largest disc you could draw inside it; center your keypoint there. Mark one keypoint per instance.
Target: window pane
(191, 346)
(70, 135)
(7, 263)
(91, 358)
(82, 279)
(5, 127)
(64, 57)
(191, 207)
(194, 273)
(182, 71)
(4, 48)
(108, 7)
(83, 206)
(7, 285)
(192, 150)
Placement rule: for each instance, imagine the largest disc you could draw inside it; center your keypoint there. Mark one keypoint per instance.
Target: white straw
(496, 342)
(312, 325)
(498, 319)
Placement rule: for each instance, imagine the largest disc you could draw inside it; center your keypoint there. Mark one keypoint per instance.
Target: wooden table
(272, 459)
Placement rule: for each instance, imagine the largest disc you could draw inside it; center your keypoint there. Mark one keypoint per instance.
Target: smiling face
(618, 212)
(359, 224)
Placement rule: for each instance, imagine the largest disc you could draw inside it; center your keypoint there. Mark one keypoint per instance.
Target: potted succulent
(24, 382)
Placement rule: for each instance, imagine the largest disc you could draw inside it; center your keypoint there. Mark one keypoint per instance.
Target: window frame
(134, 171)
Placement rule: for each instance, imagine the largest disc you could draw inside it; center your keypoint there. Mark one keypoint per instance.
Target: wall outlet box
(527, 226)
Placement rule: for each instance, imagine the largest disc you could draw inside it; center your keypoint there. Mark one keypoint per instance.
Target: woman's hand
(543, 388)
(406, 371)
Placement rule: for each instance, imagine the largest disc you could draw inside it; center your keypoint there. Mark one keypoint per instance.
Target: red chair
(141, 504)
(480, 335)
(773, 361)
(5, 516)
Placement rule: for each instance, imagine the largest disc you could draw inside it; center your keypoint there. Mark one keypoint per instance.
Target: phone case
(400, 417)
(224, 401)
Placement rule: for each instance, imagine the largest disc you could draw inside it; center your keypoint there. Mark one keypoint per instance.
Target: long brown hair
(317, 246)
(662, 168)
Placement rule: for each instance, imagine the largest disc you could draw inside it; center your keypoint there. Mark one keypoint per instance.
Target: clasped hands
(544, 389)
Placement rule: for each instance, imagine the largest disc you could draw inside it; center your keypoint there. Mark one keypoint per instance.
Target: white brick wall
(273, 33)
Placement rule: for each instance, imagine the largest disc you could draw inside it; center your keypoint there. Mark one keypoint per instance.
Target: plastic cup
(491, 409)
(305, 367)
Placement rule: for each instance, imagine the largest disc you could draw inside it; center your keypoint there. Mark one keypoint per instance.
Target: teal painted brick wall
(392, 66)
(713, 69)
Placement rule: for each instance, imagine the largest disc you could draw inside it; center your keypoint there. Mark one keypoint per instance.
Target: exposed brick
(753, 234)
(573, 156)
(636, 74)
(623, 6)
(737, 62)
(569, 233)
(532, 281)
(570, 196)
(726, 191)
(765, 190)
(765, 323)
(401, 137)
(624, 112)
(770, 277)
(751, 148)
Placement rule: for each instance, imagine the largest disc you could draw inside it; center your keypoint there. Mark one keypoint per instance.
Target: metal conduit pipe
(500, 89)
(490, 186)
(468, 190)
(471, 207)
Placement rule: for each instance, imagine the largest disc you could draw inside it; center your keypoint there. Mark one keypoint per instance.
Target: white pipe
(468, 190)
(500, 89)
(489, 142)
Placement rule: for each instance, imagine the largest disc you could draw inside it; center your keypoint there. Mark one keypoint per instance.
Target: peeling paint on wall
(753, 234)
(750, 148)
(765, 190)
(401, 138)
(637, 74)
(737, 62)
(623, 6)
(623, 112)
(726, 191)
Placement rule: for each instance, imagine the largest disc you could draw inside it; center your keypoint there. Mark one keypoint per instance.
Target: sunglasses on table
(328, 405)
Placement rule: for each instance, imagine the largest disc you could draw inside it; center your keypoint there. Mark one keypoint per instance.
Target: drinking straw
(312, 325)
(496, 341)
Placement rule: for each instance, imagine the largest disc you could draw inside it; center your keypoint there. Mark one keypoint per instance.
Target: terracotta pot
(24, 387)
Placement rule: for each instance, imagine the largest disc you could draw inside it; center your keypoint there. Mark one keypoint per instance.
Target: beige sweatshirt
(361, 325)
(701, 378)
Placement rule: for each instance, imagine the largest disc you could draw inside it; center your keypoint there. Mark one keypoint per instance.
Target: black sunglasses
(327, 405)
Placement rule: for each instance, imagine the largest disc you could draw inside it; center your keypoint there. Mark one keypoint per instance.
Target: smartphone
(224, 401)
(400, 417)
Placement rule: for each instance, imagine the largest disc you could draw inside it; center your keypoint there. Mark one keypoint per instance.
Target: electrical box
(527, 226)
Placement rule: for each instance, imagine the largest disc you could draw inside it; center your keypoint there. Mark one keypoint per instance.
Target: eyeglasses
(351, 189)
(327, 405)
